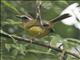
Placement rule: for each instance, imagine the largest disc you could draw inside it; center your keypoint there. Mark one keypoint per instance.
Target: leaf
(47, 4)
(40, 52)
(55, 39)
(6, 3)
(8, 46)
(70, 43)
(20, 48)
(14, 52)
(11, 21)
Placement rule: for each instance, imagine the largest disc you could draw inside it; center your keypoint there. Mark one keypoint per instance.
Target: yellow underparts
(36, 30)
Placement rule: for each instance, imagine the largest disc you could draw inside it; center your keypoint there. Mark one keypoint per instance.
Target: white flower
(59, 45)
(77, 25)
(74, 11)
(76, 50)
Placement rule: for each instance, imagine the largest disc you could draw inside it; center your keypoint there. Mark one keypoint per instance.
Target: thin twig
(38, 12)
(2, 33)
(63, 55)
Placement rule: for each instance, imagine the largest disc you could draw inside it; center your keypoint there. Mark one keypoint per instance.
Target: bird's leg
(32, 39)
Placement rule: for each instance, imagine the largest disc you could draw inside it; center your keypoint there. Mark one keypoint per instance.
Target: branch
(63, 55)
(73, 40)
(2, 33)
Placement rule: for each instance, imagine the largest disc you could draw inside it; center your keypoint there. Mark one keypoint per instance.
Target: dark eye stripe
(24, 18)
(45, 25)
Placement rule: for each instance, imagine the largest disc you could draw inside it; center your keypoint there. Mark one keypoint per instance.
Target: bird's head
(24, 18)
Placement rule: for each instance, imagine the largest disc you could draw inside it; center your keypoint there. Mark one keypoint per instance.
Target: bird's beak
(24, 17)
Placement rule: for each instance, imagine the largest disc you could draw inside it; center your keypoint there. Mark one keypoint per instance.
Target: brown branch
(2, 33)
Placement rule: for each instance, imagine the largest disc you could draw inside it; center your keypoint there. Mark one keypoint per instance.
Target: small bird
(36, 29)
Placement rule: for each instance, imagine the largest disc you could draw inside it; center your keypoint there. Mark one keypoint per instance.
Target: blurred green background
(10, 24)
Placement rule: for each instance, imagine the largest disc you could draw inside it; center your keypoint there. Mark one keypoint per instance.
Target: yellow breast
(35, 31)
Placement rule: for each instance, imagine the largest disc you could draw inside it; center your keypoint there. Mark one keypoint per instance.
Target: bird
(35, 29)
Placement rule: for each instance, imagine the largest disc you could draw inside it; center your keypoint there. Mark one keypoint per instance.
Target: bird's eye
(45, 25)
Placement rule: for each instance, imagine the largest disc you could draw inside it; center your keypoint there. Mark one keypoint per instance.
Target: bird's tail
(59, 18)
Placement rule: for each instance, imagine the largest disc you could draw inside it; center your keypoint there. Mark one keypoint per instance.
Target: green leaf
(14, 52)
(40, 52)
(11, 21)
(55, 39)
(47, 4)
(6, 3)
(70, 43)
(8, 46)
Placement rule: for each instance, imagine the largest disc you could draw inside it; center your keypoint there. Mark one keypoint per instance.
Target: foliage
(11, 49)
